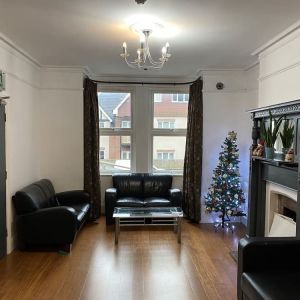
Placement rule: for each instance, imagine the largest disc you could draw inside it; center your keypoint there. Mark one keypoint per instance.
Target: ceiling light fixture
(144, 59)
(140, 1)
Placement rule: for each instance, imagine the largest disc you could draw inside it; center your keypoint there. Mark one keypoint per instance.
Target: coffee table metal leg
(117, 230)
(179, 230)
(175, 224)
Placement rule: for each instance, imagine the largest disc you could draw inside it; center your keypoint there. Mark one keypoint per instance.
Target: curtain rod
(145, 83)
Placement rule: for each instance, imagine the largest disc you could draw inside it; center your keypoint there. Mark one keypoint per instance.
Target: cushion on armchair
(157, 185)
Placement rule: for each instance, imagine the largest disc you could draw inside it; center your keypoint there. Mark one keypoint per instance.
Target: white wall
(60, 122)
(280, 69)
(22, 82)
(223, 111)
(44, 128)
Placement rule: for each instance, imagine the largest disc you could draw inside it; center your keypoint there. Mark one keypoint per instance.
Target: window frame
(102, 149)
(121, 131)
(162, 152)
(177, 101)
(163, 121)
(127, 122)
(156, 132)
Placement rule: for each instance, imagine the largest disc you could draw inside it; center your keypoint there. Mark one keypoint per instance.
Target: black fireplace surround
(269, 268)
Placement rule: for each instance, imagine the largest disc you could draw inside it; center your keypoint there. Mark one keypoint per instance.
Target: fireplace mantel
(263, 170)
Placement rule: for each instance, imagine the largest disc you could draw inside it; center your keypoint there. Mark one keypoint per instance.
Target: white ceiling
(209, 33)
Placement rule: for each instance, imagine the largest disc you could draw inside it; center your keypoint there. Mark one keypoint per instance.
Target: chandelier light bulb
(124, 48)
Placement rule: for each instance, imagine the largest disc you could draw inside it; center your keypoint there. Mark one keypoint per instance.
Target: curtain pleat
(192, 173)
(91, 147)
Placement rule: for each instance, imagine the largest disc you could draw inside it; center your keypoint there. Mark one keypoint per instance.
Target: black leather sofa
(140, 190)
(269, 268)
(46, 218)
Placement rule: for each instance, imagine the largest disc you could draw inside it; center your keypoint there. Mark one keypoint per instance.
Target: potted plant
(287, 136)
(270, 134)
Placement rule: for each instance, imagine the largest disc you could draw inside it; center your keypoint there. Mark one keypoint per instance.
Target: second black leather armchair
(268, 268)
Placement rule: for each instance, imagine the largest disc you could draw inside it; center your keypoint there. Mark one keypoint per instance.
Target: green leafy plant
(287, 134)
(270, 132)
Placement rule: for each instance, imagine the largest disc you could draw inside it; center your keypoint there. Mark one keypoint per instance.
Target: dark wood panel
(280, 175)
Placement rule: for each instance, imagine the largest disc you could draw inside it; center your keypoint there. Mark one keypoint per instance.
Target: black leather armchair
(45, 218)
(269, 268)
(140, 190)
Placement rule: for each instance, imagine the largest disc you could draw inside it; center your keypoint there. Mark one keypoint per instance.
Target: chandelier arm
(135, 64)
(152, 61)
(156, 63)
(131, 64)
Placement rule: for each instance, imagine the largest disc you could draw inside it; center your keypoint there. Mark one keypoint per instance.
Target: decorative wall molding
(252, 66)
(61, 89)
(279, 71)
(17, 51)
(69, 69)
(225, 91)
(19, 78)
(279, 41)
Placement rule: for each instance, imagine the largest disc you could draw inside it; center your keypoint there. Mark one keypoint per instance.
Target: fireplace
(274, 184)
(279, 199)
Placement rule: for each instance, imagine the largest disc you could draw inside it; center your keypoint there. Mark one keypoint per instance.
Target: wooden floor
(146, 264)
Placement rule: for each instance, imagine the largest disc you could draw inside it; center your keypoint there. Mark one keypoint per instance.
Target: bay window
(144, 135)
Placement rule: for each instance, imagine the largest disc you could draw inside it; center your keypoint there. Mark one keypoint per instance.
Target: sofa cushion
(156, 202)
(30, 199)
(283, 284)
(47, 188)
(130, 202)
(128, 185)
(157, 185)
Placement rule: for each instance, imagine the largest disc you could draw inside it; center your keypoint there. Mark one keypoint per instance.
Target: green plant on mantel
(270, 132)
(287, 134)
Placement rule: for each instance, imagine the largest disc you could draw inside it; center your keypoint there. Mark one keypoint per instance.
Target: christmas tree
(225, 194)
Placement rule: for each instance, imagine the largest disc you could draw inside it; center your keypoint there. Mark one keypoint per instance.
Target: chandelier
(144, 59)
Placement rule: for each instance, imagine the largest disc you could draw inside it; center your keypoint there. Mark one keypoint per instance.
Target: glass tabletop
(149, 212)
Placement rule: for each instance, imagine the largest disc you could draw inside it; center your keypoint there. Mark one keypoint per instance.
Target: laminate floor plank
(148, 263)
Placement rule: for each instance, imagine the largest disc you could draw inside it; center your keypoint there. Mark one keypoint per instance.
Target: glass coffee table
(150, 216)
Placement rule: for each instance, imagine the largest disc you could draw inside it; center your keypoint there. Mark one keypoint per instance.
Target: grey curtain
(91, 146)
(192, 172)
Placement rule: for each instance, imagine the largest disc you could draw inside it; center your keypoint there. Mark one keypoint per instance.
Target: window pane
(168, 153)
(117, 153)
(157, 97)
(171, 112)
(114, 109)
